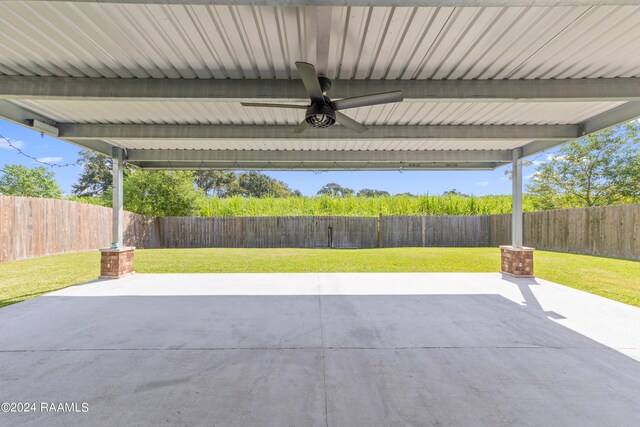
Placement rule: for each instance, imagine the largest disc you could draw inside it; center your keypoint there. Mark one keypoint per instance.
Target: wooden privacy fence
(34, 227)
(430, 231)
(269, 232)
(611, 231)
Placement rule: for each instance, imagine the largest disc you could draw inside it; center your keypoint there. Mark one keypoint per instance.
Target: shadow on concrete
(530, 299)
(310, 360)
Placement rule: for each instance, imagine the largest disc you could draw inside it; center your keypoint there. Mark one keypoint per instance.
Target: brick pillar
(116, 263)
(517, 262)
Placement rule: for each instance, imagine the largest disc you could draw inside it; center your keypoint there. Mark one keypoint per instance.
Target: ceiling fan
(323, 112)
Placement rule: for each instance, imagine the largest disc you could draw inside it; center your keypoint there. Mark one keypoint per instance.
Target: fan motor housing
(320, 115)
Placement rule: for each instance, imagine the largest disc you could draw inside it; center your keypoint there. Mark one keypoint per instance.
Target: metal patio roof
(164, 79)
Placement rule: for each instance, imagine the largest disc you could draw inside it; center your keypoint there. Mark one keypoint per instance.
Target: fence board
(500, 229)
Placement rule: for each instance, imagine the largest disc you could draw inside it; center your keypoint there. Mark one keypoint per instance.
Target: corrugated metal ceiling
(78, 39)
(260, 42)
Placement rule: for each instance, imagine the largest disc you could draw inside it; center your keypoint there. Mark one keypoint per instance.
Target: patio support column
(117, 230)
(516, 260)
(516, 198)
(117, 261)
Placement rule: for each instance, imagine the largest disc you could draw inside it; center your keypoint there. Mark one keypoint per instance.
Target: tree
(215, 182)
(630, 176)
(255, 184)
(249, 184)
(367, 192)
(335, 190)
(96, 178)
(598, 169)
(161, 193)
(455, 192)
(19, 180)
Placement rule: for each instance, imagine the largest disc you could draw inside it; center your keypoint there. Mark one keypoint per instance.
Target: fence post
(379, 229)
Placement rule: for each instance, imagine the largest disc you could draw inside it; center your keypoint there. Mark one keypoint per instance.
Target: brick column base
(116, 263)
(517, 262)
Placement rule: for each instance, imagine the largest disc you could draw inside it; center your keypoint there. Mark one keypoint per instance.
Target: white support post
(516, 203)
(515, 259)
(117, 261)
(118, 199)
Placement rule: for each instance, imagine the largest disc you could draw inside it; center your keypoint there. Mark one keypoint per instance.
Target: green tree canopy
(255, 184)
(215, 182)
(95, 179)
(454, 192)
(161, 193)
(630, 176)
(249, 184)
(598, 169)
(19, 180)
(335, 190)
(367, 192)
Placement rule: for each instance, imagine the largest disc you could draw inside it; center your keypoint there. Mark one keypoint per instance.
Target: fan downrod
(325, 83)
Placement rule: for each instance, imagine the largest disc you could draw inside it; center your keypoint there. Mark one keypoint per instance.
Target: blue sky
(429, 182)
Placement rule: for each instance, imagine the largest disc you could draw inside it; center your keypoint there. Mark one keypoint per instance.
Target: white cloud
(482, 183)
(533, 176)
(553, 157)
(537, 162)
(4, 144)
(49, 159)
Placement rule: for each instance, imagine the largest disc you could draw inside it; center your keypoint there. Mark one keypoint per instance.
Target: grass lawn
(611, 278)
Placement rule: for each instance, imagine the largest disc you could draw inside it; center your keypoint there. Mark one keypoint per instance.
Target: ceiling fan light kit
(322, 112)
(321, 115)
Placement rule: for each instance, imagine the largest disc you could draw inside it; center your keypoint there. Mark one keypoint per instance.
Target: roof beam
(535, 147)
(83, 88)
(319, 156)
(400, 3)
(621, 114)
(311, 166)
(187, 131)
(22, 116)
(319, 160)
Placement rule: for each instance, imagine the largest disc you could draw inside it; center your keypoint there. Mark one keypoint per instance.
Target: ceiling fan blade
(348, 122)
(259, 104)
(310, 79)
(366, 100)
(301, 127)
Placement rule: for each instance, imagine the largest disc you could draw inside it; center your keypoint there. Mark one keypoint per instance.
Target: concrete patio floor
(323, 349)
